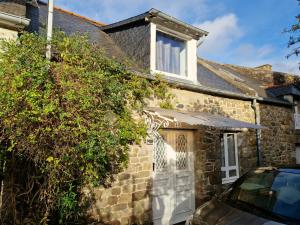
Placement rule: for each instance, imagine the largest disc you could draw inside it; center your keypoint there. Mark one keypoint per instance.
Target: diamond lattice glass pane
(160, 155)
(181, 152)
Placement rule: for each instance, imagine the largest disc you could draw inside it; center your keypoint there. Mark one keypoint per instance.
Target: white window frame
(298, 155)
(191, 53)
(227, 168)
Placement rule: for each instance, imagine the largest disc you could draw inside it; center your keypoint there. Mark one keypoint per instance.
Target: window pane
(181, 152)
(231, 150)
(160, 154)
(222, 152)
(223, 173)
(232, 173)
(170, 54)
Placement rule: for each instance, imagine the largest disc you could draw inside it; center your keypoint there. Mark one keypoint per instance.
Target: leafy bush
(72, 119)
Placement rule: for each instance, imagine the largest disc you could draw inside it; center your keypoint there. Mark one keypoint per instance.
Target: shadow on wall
(108, 213)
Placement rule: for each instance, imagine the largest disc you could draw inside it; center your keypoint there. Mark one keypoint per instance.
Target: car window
(275, 192)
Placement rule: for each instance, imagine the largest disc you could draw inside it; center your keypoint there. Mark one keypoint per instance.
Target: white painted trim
(227, 168)
(169, 74)
(152, 47)
(173, 33)
(236, 156)
(191, 53)
(191, 68)
(297, 154)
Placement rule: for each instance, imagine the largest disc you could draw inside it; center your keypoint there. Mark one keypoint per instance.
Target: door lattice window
(160, 154)
(181, 152)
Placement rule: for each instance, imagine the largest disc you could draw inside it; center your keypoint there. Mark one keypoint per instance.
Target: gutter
(13, 21)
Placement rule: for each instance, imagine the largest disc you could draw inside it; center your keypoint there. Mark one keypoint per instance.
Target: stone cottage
(227, 119)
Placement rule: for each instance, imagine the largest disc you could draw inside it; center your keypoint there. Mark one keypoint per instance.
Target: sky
(242, 32)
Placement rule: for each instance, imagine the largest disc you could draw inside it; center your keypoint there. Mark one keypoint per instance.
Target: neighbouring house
(227, 119)
(14, 17)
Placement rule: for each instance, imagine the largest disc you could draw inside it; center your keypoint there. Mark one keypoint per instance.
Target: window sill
(172, 75)
(229, 180)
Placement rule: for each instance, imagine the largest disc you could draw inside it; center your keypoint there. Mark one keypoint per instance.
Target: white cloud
(223, 31)
(288, 66)
(224, 43)
(248, 51)
(252, 56)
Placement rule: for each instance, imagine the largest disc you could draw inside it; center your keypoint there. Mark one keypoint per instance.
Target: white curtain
(168, 53)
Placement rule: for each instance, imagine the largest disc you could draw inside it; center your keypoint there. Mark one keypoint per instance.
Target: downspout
(49, 28)
(257, 131)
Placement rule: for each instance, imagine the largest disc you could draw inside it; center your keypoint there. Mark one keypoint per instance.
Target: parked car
(265, 196)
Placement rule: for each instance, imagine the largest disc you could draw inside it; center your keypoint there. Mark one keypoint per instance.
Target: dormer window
(173, 53)
(170, 54)
(159, 42)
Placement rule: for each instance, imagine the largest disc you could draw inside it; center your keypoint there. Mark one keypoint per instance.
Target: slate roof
(212, 77)
(72, 23)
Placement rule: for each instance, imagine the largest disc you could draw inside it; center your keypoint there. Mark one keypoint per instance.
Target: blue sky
(242, 32)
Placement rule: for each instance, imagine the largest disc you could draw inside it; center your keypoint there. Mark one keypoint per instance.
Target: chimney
(267, 67)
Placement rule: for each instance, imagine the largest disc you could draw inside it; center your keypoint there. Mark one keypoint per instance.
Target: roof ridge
(94, 22)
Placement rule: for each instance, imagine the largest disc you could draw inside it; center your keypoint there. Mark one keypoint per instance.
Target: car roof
(290, 169)
(287, 169)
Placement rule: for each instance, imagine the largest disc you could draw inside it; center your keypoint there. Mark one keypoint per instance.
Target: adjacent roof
(13, 7)
(159, 17)
(13, 13)
(209, 76)
(278, 91)
(96, 23)
(250, 81)
(203, 119)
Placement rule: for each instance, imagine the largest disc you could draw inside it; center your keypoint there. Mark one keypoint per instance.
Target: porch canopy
(200, 118)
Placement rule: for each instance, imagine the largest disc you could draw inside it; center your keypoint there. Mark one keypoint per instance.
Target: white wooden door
(298, 154)
(173, 177)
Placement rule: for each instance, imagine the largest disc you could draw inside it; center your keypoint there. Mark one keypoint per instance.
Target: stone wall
(278, 140)
(135, 42)
(128, 200)
(14, 7)
(8, 34)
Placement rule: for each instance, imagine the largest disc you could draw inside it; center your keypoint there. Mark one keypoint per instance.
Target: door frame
(191, 171)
